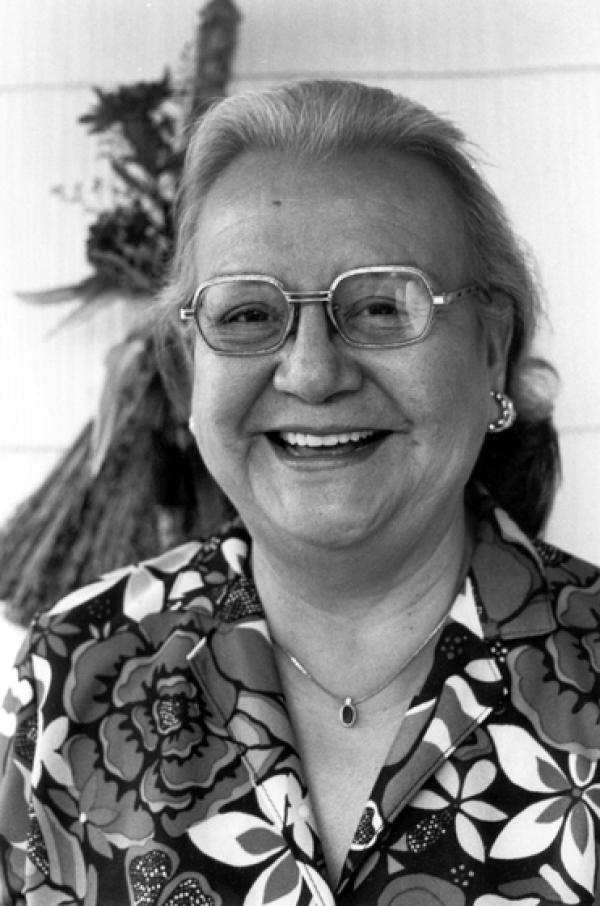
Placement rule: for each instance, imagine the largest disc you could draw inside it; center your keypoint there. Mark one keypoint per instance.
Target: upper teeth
(323, 440)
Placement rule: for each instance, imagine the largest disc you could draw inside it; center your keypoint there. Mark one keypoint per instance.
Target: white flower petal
(465, 697)
(579, 855)
(447, 776)
(525, 835)
(275, 794)
(479, 777)
(418, 709)
(317, 885)
(483, 811)
(47, 753)
(469, 838)
(187, 581)
(8, 723)
(521, 758)
(492, 899)
(428, 800)
(144, 595)
(483, 669)
(175, 559)
(22, 691)
(235, 552)
(303, 837)
(43, 675)
(218, 837)
(464, 610)
(81, 595)
(556, 882)
(114, 575)
(20, 688)
(438, 735)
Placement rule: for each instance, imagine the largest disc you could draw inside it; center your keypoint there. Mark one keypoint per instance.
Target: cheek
(223, 393)
(209, 399)
(450, 391)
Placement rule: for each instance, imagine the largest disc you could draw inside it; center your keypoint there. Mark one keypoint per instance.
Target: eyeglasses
(371, 307)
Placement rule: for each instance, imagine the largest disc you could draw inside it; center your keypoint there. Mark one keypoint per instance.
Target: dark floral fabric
(148, 757)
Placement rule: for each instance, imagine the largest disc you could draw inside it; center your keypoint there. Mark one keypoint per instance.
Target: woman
(377, 690)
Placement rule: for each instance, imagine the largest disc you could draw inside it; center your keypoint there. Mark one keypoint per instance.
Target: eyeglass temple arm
(188, 312)
(458, 294)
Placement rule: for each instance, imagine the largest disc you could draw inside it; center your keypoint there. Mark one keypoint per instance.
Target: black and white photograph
(299, 453)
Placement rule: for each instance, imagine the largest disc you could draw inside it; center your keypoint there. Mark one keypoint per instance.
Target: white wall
(521, 76)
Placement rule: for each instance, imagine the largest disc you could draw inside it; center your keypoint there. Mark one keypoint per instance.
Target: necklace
(348, 711)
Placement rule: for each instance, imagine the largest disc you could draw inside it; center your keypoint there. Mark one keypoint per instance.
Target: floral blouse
(148, 757)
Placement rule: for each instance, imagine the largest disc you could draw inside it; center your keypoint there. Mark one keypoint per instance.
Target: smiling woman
(424, 408)
(357, 694)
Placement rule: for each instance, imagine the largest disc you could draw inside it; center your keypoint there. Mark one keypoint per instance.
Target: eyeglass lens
(371, 308)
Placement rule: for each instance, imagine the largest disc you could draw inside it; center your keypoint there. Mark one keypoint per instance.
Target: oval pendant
(348, 713)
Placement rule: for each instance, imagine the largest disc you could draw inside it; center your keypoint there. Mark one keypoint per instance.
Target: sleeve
(18, 734)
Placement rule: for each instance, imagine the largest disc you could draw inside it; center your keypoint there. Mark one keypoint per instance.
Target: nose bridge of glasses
(307, 297)
(314, 297)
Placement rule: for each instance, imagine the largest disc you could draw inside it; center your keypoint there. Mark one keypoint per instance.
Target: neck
(337, 611)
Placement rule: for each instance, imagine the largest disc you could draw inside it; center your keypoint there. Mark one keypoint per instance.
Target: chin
(325, 529)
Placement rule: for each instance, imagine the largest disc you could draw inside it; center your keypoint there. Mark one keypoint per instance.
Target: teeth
(323, 440)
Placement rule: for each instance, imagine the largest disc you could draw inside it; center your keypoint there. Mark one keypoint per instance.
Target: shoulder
(145, 619)
(527, 586)
(555, 676)
(573, 583)
(139, 607)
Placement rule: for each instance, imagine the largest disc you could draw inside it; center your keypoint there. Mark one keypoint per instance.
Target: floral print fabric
(148, 757)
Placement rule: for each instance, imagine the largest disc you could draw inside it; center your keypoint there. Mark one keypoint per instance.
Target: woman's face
(428, 404)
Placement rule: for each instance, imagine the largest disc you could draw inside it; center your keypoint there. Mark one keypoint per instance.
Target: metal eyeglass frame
(295, 299)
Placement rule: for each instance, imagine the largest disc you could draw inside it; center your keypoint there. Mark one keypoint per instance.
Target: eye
(374, 308)
(249, 313)
(377, 306)
(242, 305)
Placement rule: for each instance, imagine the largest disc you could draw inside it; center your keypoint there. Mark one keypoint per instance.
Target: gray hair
(324, 119)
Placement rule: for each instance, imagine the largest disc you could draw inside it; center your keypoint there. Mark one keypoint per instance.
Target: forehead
(271, 211)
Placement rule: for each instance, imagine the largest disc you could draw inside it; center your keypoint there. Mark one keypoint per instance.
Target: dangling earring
(191, 424)
(508, 413)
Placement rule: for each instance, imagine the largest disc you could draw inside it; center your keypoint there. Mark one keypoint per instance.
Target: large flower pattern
(459, 806)
(566, 811)
(153, 763)
(553, 682)
(280, 841)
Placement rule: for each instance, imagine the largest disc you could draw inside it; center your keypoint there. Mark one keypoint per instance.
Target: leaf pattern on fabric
(147, 756)
(553, 683)
(460, 798)
(242, 839)
(566, 812)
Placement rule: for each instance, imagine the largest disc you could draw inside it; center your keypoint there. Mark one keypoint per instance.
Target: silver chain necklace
(348, 711)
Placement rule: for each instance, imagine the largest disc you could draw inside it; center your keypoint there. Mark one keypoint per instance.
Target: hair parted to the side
(326, 118)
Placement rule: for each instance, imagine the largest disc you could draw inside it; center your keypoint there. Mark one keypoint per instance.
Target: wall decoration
(132, 484)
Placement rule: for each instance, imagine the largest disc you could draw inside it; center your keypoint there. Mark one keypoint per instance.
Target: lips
(303, 443)
(298, 439)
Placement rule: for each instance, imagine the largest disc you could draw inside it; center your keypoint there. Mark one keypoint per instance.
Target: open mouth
(298, 443)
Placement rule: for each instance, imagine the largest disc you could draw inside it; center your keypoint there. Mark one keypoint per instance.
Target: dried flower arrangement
(132, 483)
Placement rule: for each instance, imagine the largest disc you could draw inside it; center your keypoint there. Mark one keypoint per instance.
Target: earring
(508, 413)
(191, 424)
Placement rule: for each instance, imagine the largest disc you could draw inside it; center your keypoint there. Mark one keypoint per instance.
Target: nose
(315, 364)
